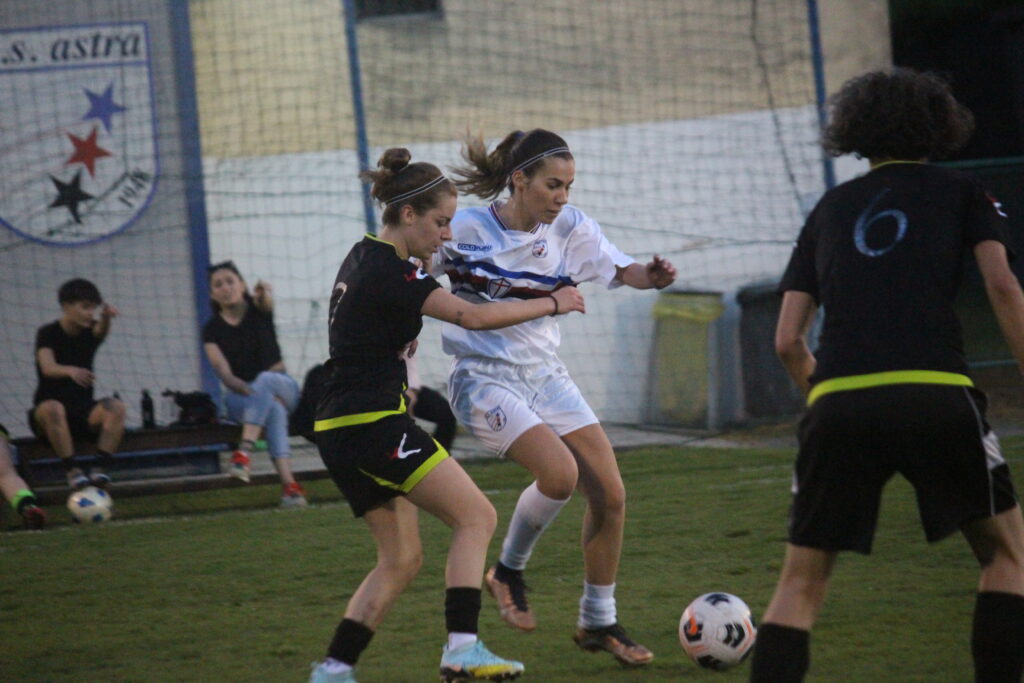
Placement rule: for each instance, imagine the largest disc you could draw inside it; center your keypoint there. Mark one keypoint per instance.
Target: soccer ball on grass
(90, 505)
(717, 631)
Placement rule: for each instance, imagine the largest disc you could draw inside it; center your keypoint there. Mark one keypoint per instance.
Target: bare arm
(657, 274)
(794, 323)
(49, 366)
(444, 305)
(223, 370)
(1004, 294)
(102, 326)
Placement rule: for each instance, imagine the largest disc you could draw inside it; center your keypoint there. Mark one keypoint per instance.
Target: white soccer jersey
(486, 261)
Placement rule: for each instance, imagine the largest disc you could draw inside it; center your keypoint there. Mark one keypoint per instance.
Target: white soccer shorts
(499, 401)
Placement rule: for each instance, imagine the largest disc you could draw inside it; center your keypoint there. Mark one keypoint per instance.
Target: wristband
(552, 297)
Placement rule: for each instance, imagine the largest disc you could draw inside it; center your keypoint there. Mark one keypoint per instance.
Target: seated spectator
(63, 407)
(429, 405)
(16, 491)
(241, 344)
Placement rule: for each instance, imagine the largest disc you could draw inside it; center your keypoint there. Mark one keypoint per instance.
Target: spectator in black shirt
(63, 406)
(241, 343)
(888, 389)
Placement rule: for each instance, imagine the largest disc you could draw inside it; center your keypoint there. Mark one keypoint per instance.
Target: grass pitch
(222, 586)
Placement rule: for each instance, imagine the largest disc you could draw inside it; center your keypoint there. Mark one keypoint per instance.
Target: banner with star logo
(80, 160)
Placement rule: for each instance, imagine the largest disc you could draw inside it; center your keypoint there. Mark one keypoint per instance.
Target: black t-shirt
(374, 313)
(883, 254)
(77, 350)
(249, 347)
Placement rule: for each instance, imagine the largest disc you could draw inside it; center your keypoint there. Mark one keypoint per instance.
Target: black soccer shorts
(374, 462)
(852, 442)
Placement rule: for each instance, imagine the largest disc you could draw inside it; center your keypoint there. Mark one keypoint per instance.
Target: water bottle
(148, 417)
(168, 407)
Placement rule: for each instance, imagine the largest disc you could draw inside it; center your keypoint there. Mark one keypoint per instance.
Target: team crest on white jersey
(80, 158)
(496, 419)
(498, 287)
(540, 248)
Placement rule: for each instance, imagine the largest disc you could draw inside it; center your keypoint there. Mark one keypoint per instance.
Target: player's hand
(569, 299)
(660, 272)
(109, 311)
(83, 377)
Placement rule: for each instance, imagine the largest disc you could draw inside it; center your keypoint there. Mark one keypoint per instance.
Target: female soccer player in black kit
(386, 466)
(887, 388)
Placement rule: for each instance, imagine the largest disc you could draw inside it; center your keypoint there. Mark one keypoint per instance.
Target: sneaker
(293, 496)
(320, 675)
(511, 597)
(239, 468)
(99, 478)
(33, 516)
(474, 660)
(77, 479)
(613, 639)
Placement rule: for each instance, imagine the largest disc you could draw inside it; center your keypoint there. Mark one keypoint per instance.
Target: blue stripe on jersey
(460, 262)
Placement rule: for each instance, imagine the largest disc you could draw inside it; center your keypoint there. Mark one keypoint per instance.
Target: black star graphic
(70, 194)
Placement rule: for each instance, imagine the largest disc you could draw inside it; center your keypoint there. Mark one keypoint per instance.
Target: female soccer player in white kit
(509, 387)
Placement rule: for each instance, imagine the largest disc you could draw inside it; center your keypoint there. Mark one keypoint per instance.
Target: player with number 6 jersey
(888, 389)
(387, 466)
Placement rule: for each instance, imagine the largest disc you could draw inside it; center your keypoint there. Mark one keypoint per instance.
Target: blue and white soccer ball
(90, 505)
(717, 631)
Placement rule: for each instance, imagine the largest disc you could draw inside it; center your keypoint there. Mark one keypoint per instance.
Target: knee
(405, 565)
(116, 410)
(51, 413)
(559, 482)
(480, 514)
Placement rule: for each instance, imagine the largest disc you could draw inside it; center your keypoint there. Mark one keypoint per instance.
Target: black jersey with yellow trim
(884, 254)
(374, 313)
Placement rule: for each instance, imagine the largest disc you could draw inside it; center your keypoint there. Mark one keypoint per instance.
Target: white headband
(419, 190)
(538, 157)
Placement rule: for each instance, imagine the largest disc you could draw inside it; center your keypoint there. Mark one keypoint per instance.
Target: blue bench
(176, 451)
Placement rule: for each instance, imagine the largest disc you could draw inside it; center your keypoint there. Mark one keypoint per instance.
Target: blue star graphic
(102, 107)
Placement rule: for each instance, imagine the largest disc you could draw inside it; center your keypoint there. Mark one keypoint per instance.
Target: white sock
(335, 666)
(597, 606)
(456, 639)
(533, 513)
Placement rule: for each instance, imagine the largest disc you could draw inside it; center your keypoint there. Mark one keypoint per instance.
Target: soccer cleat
(322, 675)
(77, 479)
(99, 479)
(613, 639)
(293, 496)
(511, 597)
(239, 468)
(33, 516)
(474, 660)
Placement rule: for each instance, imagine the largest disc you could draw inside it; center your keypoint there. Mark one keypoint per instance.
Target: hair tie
(419, 190)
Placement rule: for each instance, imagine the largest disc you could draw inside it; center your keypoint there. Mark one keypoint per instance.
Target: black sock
(461, 609)
(350, 639)
(25, 500)
(503, 573)
(68, 463)
(997, 637)
(782, 654)
(105, 458)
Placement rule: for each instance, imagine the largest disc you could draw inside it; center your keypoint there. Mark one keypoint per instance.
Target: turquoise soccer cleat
(321, 675)
(475, 661)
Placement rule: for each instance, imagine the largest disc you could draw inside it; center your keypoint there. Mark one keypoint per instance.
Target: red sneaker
(293, 496)
(239, 468)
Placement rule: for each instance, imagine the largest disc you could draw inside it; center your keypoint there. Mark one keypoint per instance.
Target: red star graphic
(86, 151)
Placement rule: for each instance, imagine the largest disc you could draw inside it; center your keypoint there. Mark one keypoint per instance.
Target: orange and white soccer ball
(717, 631)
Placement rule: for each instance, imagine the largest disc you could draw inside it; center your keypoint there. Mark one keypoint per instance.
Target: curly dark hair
(896, 114)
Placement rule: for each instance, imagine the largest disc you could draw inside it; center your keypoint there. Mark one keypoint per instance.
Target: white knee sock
(534, 512)
(597, 606)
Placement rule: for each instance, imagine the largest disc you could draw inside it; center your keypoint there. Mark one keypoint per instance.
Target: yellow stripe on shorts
(417, 476)
(881, 379)
(357, 418)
